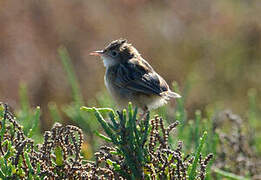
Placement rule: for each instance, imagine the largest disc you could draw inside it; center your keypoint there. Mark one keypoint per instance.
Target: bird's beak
(96, 53)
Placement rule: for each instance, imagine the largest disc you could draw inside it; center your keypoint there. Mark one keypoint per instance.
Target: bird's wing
(138, 76)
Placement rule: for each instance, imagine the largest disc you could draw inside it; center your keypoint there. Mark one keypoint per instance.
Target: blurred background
(214, 46)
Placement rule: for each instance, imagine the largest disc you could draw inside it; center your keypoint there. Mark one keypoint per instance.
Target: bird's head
(118, 51)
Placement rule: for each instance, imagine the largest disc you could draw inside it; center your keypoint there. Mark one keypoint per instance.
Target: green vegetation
(139, 151)
(210, 145)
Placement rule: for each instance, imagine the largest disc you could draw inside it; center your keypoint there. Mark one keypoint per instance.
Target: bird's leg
(143, 115)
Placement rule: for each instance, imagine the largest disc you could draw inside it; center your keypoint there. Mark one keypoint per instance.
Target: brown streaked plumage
(129, 78)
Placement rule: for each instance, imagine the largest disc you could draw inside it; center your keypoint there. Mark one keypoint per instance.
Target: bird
(130, 78)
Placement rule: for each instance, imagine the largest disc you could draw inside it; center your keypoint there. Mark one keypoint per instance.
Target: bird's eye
(114, 53)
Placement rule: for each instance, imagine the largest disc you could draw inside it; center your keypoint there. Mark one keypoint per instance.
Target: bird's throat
(108, 62)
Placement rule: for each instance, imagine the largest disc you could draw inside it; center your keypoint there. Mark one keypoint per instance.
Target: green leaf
(113, 120)
(2, 110)
(192, 174)
(229, 175)
(105, 126)
(196, 135)
(38, 167)
(58, 151)
(130, 111)
(29, 165)
(2, 167)
(103, 136)
(2, 174)
(2, 129)
(123, 118)
(36, 119)
(68, 67)
(109, 162)
(101, 110)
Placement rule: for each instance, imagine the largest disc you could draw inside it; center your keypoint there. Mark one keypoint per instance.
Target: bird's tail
(170, 94)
